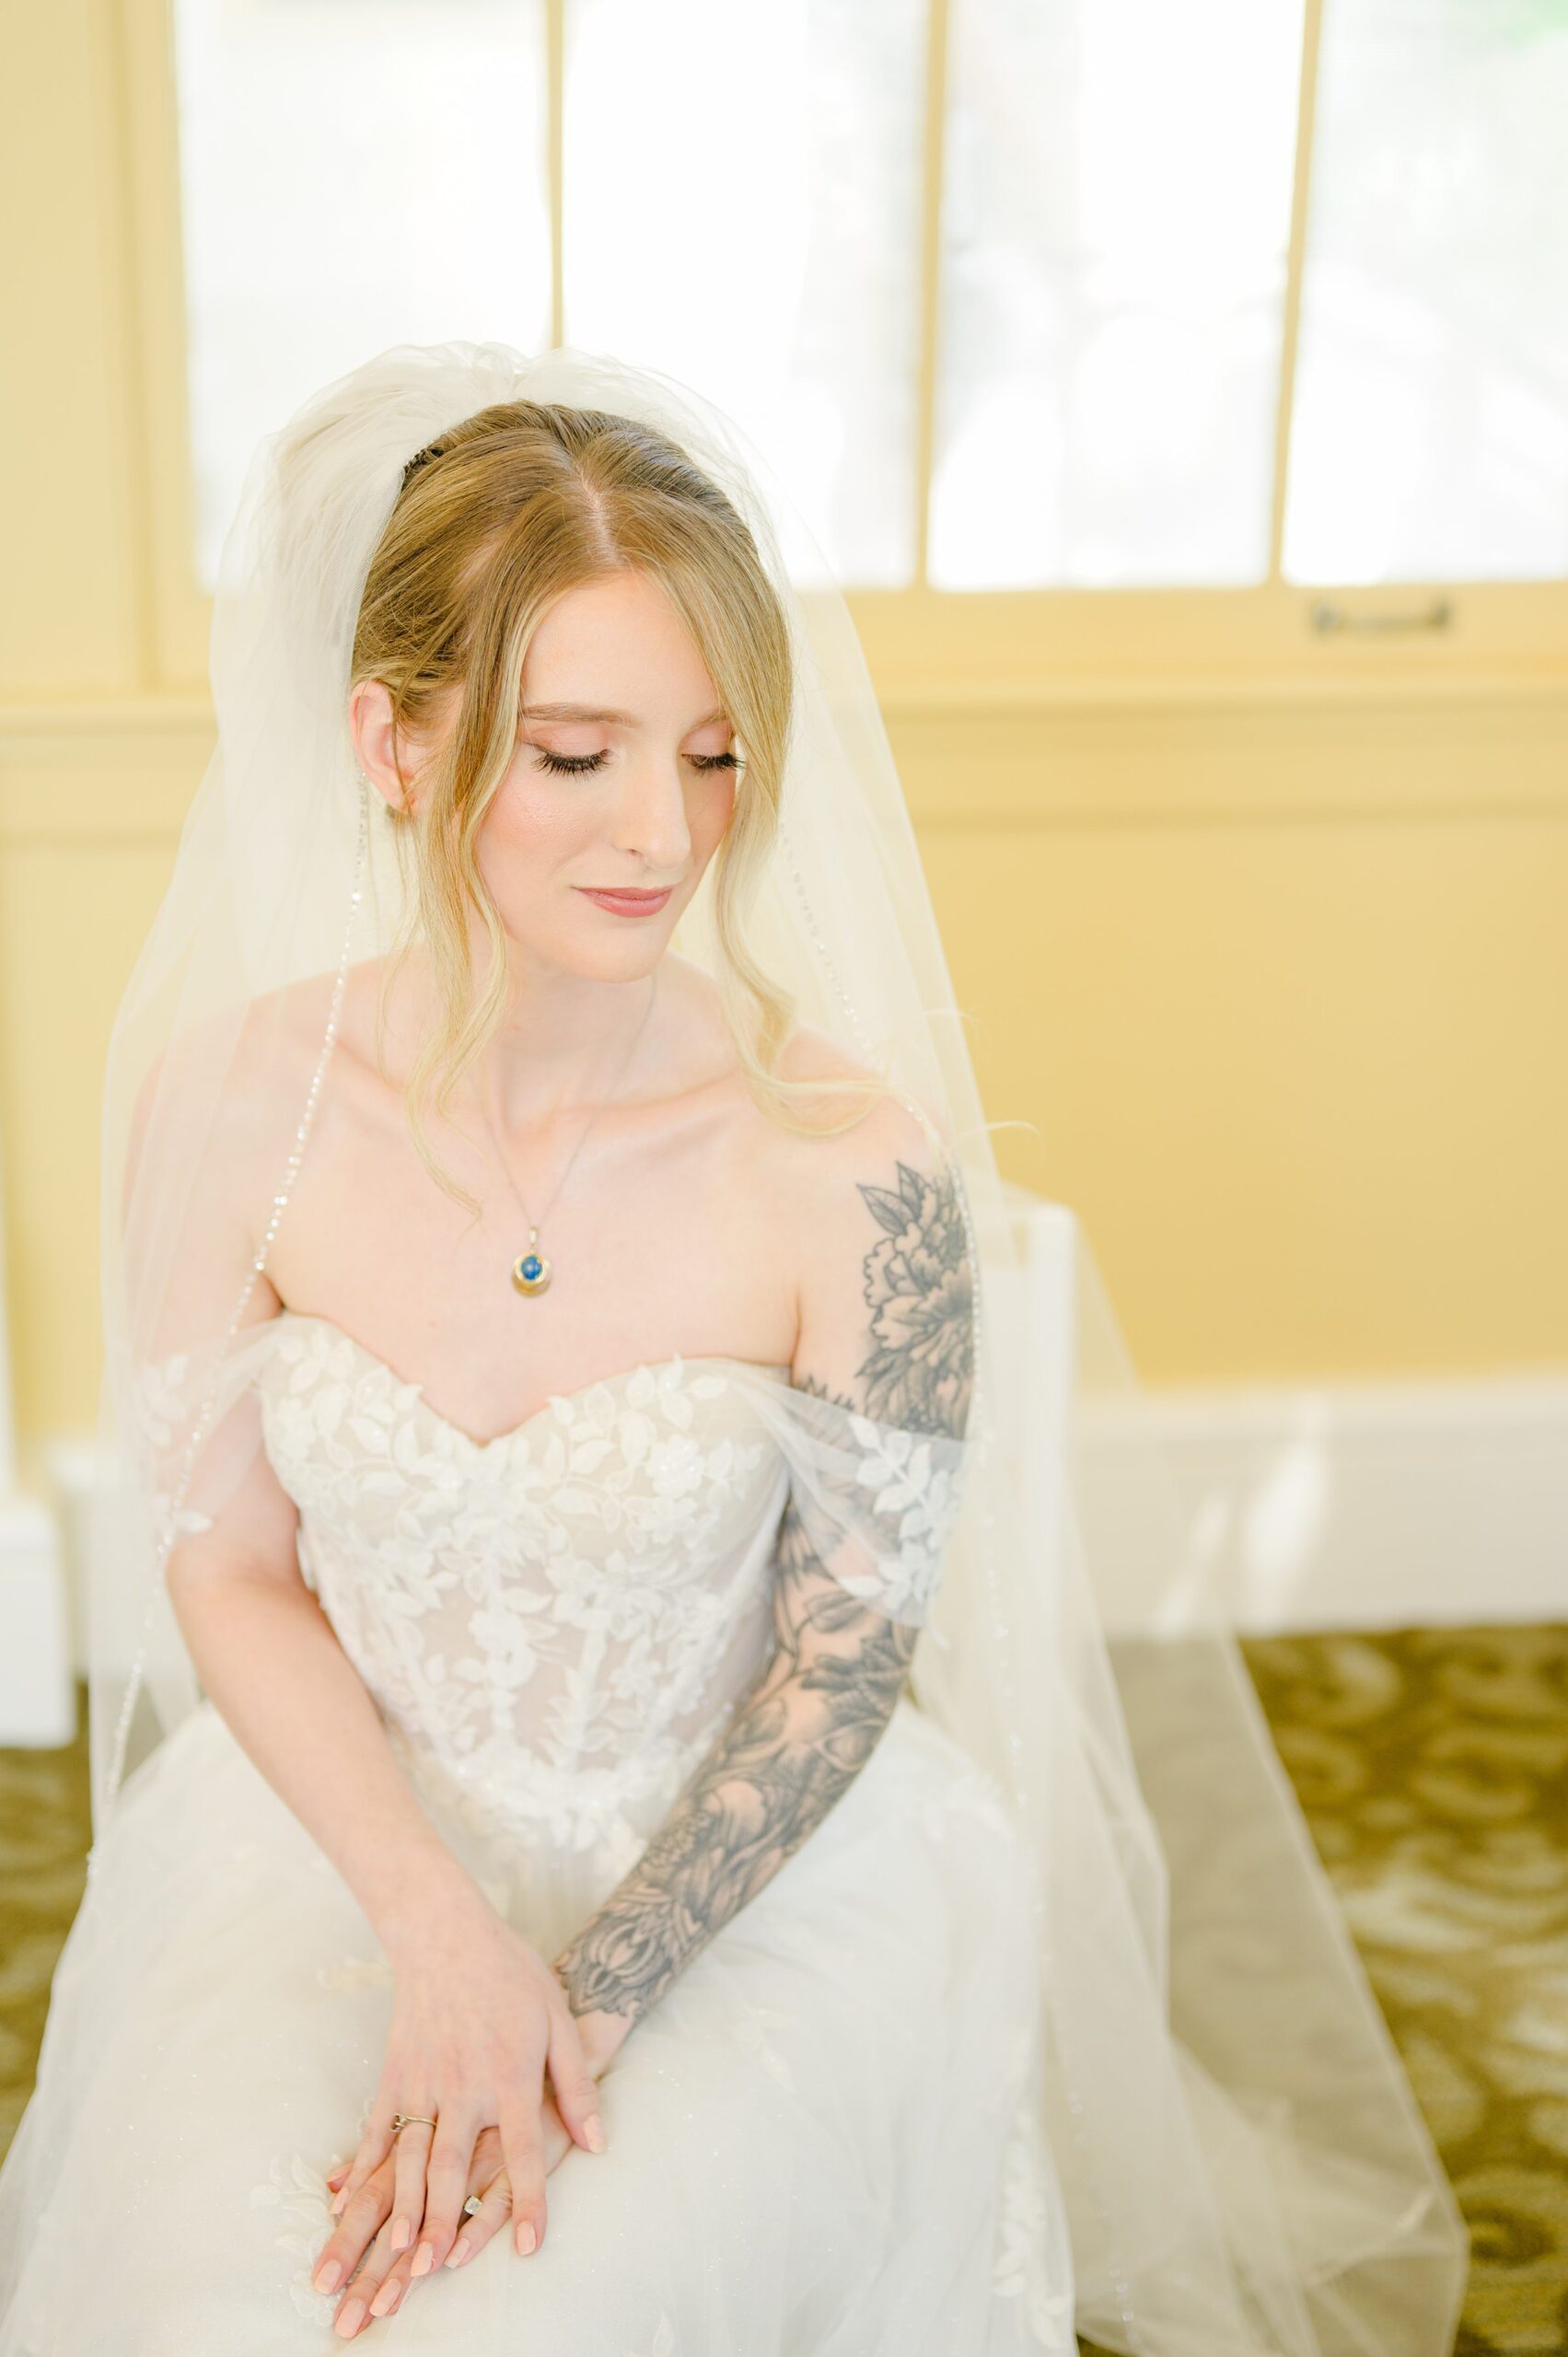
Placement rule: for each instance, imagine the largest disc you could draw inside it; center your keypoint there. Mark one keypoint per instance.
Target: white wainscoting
(1381, 1505)
(37, 1700)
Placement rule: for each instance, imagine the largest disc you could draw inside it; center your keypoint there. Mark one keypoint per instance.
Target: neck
(563, 1042)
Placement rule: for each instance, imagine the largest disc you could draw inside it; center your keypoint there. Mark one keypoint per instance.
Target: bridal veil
(1245, 2169)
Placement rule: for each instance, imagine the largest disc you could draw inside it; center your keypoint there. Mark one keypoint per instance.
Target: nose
(650, 816)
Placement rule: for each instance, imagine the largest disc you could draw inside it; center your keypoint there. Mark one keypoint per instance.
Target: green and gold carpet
(1433, 1768)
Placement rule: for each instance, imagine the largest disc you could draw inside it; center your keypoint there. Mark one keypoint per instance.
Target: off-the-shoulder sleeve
(194, 1428)
(876, 1502)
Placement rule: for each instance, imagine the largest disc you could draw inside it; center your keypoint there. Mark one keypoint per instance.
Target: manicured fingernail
(458, 2251)
(330, 2276)
(338, 2201)
(593, 2129)
(527, 2238)
(403, 2234)
(386, 2298)
(424, 2260)
(350, 2319)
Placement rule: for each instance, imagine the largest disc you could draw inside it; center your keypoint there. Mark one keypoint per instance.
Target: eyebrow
(591, 711)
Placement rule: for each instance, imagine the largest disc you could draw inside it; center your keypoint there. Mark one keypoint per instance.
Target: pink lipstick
(629, 904)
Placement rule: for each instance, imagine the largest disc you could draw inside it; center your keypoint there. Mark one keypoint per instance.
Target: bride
(610, 1833)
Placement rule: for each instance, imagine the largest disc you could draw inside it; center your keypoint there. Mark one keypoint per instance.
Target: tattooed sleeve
(844, 1633)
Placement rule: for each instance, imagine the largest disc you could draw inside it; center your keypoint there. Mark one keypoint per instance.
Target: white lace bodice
(555, 1622)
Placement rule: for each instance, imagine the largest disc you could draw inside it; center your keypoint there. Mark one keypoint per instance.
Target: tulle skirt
(821, 2141)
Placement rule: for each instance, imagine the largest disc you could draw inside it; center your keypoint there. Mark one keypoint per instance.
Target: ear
(375, 736)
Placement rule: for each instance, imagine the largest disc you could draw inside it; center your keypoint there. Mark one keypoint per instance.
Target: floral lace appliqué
(751, 2033)
(663, 2344)
(1019, 2270)
(299, 2195)
(878, 1503)
(549, 1619)
(353, 1973)
(165, 1413)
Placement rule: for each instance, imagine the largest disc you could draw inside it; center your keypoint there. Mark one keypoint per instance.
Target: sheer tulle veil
(1244, 2165)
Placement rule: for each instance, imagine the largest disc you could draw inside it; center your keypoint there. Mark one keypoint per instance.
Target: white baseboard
(38, 1702)
(1380, 1505)
(1337, 1506)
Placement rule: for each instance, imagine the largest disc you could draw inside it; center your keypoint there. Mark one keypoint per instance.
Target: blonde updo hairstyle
(497, 517)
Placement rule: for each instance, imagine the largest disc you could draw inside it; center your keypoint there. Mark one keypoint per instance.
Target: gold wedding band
(409, 2119)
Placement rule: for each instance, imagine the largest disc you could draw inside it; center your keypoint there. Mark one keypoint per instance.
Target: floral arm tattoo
(815, 1712)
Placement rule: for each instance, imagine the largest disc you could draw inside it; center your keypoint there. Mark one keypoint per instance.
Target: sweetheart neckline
(497, 1440)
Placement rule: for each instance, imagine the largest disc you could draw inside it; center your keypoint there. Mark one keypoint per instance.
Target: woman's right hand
(478, 2019)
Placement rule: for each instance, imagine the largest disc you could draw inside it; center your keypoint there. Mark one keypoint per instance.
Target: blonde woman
(545, 1895)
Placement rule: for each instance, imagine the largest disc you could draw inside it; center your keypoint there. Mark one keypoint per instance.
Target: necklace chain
(531, 1271)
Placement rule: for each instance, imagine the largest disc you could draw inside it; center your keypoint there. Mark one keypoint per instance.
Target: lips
(627, 903)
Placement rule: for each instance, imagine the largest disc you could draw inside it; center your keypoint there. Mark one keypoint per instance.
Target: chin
(597, 960)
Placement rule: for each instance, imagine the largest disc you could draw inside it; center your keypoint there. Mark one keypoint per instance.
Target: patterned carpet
(1433, 1766)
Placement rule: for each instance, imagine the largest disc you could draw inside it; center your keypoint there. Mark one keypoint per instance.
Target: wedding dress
(1053, 2021)
(820, 2140)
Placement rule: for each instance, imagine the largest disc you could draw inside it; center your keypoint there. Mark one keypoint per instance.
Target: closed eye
(577, 764)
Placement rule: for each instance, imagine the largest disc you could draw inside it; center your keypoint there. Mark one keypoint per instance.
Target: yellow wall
(1278, 969)
(1300, 1073)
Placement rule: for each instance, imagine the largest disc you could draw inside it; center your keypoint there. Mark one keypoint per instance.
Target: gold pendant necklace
(530, 1271)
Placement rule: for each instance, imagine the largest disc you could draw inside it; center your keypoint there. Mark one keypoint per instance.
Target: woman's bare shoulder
(242, 1073)
(868, 1227)
(813, 1170)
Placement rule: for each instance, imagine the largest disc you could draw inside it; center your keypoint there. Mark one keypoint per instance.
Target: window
(354, 174)
(1431, 422)
(1016, 296)
(1116, 224)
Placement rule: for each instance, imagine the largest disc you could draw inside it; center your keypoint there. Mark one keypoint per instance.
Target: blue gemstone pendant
(531, 1271)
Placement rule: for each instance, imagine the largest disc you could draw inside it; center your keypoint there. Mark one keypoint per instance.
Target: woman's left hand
(379, 2287)
(363, 2231)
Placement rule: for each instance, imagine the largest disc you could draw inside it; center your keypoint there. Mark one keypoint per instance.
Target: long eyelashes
(577, 764)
